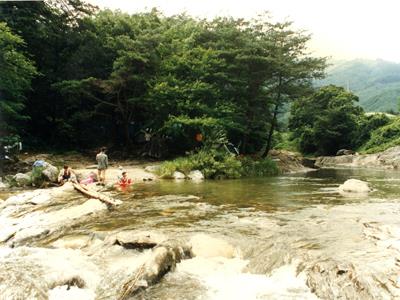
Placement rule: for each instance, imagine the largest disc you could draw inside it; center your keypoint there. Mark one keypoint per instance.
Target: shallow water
(295, 236)
(284, 228)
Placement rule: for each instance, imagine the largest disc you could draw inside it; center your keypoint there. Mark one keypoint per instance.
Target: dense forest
(76, 77)
(375, 82)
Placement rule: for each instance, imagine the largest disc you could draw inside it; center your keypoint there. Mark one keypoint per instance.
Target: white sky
(340, 28)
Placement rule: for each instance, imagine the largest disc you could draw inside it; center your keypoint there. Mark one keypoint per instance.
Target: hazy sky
(339, 28)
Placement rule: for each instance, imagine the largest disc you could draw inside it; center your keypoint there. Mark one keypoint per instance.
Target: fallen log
(96, 195)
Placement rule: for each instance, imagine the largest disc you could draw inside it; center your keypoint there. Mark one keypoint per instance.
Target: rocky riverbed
(38, 250)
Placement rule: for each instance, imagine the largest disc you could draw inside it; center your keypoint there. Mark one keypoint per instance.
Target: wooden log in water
(96, 195)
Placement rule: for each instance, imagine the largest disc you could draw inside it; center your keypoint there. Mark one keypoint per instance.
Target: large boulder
(22, 179)
(196, 175)
(178, 175)
(354, 186)
(50, 172)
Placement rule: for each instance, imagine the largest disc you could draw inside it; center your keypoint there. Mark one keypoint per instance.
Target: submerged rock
(137, 240)
(354, 186)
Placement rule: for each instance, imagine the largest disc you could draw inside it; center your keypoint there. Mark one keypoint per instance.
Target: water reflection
(281, 192)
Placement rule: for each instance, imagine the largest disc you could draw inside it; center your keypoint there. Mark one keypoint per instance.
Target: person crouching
(66, 174)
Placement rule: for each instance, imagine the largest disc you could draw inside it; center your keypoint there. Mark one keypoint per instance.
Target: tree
(50, 30)
(121, 93)
(325, 121)
(293, 69)
(16, 74)
(109, 74)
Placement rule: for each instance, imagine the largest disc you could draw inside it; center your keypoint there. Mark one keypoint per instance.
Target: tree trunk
(127, 137)
(273, 122)
(271, 131)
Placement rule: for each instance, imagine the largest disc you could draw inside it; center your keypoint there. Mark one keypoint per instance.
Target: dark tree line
(94, 77)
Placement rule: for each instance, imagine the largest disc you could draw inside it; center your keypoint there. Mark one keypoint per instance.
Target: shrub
(212, 163)
(369, 123)
(383, 138)
(258, 167)
(285, 141)
(37, 178)
(216, 164)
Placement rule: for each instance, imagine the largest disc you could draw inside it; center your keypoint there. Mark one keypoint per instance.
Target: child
(66, 174)
(124, 180)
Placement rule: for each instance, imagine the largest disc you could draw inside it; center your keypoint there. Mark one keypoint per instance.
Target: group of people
(67, 174)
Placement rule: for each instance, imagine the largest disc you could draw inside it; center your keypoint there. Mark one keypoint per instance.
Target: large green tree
(50, 30)
(106, 74)
(16, 74)
(326, 121)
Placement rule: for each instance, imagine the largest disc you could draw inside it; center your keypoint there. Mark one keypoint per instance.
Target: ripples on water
(296, 236)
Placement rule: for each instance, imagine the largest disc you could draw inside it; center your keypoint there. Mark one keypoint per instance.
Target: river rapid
(285, 237)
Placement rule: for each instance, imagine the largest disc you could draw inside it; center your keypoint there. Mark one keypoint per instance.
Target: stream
(285, 237)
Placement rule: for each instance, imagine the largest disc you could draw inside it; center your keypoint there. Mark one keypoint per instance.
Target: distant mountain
(375, 82)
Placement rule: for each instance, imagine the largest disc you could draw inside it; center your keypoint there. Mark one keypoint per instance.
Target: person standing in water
(102, 165)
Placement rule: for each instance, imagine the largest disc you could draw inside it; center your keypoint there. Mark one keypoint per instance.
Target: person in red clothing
(124, 180)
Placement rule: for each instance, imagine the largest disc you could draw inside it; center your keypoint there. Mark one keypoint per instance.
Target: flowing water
(294, 236)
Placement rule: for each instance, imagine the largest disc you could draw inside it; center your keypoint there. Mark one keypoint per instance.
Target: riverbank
(202, 165)
(388, 159)
(83, 165)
